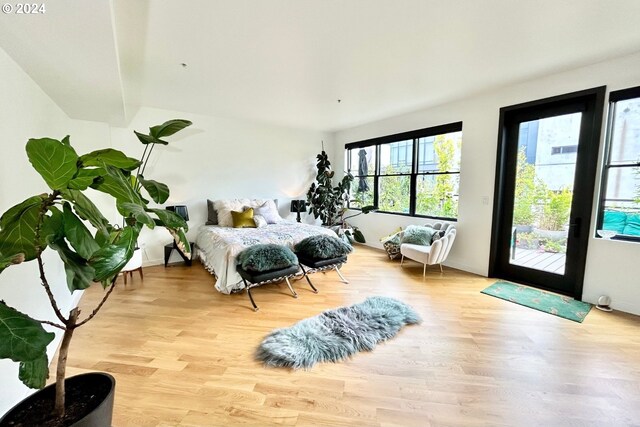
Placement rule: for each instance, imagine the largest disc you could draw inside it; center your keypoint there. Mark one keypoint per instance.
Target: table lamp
(298, 206)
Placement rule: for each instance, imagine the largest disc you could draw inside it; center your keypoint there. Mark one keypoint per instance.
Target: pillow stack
(219, 211)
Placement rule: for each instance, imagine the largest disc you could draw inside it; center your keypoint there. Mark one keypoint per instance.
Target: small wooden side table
(168, 249)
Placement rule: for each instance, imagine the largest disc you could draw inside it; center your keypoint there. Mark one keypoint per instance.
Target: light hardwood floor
(182, 355)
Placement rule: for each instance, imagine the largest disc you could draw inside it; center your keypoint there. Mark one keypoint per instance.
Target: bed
(218, 247)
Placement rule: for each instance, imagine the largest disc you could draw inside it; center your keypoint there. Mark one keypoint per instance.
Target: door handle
(576, 225)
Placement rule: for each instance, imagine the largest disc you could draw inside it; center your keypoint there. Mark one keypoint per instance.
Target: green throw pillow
(322, 247)
(418, 235)
(633, 225)
(614, 221)
(266, 257)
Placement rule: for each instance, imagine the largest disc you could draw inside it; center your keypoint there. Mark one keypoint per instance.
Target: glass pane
(623, 187)
(544, 190)
(625, 137)
(363, 161)
(396, 157)
(393, 195)
(437, 195)
(361, 192)
(440, 153)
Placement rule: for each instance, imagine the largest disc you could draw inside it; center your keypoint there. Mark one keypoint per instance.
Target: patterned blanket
(218, 247)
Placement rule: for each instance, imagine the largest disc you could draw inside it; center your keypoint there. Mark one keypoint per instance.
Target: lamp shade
(298, 205)
(180, 210)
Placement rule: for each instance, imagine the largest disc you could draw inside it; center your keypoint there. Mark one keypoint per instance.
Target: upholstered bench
(267, 263)
(321, 253)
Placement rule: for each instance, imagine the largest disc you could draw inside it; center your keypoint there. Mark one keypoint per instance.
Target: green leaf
(86, 210)
(14, 212)
(79, 273)
(181, 240)
(147, 139)
(10, 260)
(84, 178)
(34, 373)
(158, 191)
(77, 234)
(22, 339)
(136, 211)
(110, 157)
(118, 185)
(66, 141)
(110, 259)
(52, 227)
(170, 219)
(19, 235)
(55, 161)
(168, 128)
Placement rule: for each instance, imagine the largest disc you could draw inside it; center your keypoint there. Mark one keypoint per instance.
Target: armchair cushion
(418, 235)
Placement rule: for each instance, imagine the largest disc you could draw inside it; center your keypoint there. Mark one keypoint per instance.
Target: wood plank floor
(182, 355)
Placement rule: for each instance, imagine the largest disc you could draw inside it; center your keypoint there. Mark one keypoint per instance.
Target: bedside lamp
(298, 206)
(181, 210)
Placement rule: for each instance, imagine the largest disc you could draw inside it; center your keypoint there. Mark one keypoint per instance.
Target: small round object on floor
(604, 303)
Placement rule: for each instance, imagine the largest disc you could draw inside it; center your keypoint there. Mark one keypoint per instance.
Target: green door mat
(555, 304)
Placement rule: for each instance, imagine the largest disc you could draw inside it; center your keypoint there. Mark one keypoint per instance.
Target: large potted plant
(325, 200)
(92, 254)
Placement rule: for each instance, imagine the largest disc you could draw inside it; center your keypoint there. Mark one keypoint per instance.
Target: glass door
(544, 186)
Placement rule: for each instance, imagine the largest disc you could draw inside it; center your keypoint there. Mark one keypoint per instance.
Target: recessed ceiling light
(184, 65)
(339, 101)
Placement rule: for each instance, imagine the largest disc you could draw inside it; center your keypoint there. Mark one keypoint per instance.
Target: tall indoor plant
(56, 221)
(325, 200)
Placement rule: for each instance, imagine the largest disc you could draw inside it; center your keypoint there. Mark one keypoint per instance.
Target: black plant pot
(88, 402)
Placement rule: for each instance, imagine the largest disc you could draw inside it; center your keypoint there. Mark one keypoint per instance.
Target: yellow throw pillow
(243, 219)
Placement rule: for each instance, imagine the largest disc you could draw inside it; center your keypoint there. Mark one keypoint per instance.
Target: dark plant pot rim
(108, 399)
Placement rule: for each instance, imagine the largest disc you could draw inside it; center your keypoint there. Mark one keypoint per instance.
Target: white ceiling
(287, 62)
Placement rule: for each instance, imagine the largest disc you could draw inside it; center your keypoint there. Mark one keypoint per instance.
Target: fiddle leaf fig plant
(324, 200)
(92, 250)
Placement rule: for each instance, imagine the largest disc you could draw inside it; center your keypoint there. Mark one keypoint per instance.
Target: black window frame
(413, 173)
(614, 97)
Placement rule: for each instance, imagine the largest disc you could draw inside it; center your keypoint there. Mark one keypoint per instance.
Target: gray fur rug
(336, 334)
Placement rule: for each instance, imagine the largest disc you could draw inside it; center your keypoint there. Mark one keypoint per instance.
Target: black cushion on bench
(263, 276)
(318, 263)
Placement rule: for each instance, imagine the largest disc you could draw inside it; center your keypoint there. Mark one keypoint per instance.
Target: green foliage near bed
(322, 247)
(266, 257)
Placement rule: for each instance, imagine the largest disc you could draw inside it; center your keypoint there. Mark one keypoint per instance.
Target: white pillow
(269, 211)
(260, 221)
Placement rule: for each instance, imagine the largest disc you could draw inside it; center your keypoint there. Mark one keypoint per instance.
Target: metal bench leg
(295, 295)
(424, 270)
(441, 269)
(337, 268)
(402, 260)
(253, 303)
(306, 276)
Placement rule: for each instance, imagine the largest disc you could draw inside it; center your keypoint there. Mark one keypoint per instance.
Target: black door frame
(591, 102)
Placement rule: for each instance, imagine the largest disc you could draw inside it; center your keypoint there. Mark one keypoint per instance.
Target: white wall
(219, 158)
(612, 267)
(26, 112)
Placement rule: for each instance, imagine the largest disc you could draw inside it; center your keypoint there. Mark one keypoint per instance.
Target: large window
(414, 173)
(620, 193)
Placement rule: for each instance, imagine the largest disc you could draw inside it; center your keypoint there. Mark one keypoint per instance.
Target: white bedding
(218, 247)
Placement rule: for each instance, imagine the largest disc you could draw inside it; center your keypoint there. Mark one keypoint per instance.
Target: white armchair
(436, 253)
